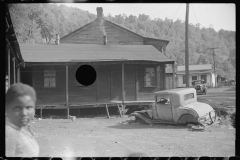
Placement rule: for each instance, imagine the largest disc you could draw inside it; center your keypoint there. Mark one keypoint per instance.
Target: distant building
(196, 72)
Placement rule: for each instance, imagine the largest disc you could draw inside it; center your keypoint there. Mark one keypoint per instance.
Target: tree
(232, 57)
(132, 19)
(202, 59)
(143, 17)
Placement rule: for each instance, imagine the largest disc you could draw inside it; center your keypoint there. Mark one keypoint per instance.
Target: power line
(195, 14)
(208, 15)
(173, 19)
(164, 10)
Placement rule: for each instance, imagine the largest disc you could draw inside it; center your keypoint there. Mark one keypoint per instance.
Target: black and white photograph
(120, 80)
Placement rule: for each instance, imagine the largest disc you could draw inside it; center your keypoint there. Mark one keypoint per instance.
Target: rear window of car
(188, 96)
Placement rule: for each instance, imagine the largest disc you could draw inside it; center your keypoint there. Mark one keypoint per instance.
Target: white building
(196, 72)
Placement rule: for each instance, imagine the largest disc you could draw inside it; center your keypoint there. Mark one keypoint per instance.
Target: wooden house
(129, 67)
(196, 72)
(13, 55)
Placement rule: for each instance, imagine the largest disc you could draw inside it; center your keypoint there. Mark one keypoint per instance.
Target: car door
(164, 107)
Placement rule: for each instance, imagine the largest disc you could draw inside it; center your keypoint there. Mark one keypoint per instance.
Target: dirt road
(102, 137)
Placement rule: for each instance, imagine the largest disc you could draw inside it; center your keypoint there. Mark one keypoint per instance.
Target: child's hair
(19, 90)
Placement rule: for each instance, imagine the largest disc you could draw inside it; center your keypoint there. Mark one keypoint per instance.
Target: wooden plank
(110, 84)
(136, 81)
(129, 82)
(164, 83)
(9, 68)
(97, 83)
(67, 90)
(104, 83)
(93, 35)
(123, 97)
(18, 74)
(14, 70)
(108, 116)
(41, 113)
(173, 75)
(120, 111)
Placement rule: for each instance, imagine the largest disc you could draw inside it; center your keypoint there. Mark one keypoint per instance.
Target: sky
(215, 15)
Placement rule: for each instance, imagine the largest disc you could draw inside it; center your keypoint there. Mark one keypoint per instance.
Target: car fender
(186, 118)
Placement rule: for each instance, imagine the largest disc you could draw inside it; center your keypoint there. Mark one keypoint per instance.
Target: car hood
(200, 108)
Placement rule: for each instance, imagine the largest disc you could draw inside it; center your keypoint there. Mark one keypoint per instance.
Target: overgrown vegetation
(227, 116)
(39, 23)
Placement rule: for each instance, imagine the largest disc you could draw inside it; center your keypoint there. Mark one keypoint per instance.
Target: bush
(232, 116)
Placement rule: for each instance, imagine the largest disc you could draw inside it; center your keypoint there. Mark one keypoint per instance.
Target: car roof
(178, 91)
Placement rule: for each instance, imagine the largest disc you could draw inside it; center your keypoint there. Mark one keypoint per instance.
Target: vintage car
(177, 106)
(200, 87)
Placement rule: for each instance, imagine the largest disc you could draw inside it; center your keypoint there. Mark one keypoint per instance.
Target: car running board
(163, 122)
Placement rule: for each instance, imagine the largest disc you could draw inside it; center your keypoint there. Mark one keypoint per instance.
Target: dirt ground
(102, 137)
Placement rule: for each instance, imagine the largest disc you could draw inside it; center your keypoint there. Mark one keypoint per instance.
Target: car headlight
(212, 116)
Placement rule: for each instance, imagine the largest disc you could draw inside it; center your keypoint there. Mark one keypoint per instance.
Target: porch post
(18, 74)
(164, 85)
(67, 90)
(123, 95)
(173, 75)
(110, 84)
(14, 70)
(9, 67)
(108, 116)
(136, 80)
(41, 112)
(211, 80)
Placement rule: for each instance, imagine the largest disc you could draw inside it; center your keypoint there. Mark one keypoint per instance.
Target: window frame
(155, 77)
(194, 79)
(50, 78)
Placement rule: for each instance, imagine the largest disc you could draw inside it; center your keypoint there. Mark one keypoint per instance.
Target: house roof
(195, 67)
(11, 38)
(90, 53)
(123, 28)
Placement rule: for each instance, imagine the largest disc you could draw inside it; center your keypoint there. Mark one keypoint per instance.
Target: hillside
(38, 23)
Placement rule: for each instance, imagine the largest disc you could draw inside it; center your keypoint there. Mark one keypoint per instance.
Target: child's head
(20, 104)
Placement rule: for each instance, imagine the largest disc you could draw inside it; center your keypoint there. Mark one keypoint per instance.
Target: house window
(204, 77)
(150, 78)
(194, 78)
(49, 78)
(184, 79)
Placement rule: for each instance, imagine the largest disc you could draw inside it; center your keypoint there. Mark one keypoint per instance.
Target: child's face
(21, 110)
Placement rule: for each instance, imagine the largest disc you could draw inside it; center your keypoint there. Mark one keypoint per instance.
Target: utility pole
(186, 47)
(214, 66)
